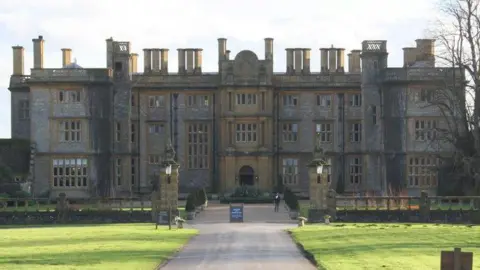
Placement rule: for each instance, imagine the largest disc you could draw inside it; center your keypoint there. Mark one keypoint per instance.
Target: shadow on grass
(88, 257)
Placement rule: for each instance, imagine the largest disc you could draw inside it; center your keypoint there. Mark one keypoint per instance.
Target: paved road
(258, 243)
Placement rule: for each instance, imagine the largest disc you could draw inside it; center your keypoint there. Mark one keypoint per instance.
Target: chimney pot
(164, 61)
(340, 60)
(198, 60)
(190, 60)
(323, 59)
(268, 48)
(332, 59)
(298, 60)
(18, 60)
(222, 49)
(156, 60)
(147, 60)
(66, 57)
(306, 61)
(227, 55)
(289, 60)
(38, 52)
(181, 61)
(133, 63)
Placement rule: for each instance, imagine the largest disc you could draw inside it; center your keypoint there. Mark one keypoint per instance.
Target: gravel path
(259, 243)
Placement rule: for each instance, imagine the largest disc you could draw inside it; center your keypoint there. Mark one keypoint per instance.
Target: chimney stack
(189, 61)
(18, 56)
(323, 59)
(66, 57)
(164, 61)
(289, 61)
(340, 60)
(332, 59)
(227, 55)
(38, 44)
(269, 49)
(181, 61)
(198, 60)
(426, 51)
(147, 60)
(409, 56)
(355, 59)
(298, 61)
(133, 62)
(222, 49)
(306, 61)
(156, 60)
(109, 53)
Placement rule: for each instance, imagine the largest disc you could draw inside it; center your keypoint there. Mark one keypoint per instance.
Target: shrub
(201, 195)
(291, 200)
(190, 204)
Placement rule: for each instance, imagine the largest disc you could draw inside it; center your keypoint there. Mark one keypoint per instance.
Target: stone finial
(169, 151)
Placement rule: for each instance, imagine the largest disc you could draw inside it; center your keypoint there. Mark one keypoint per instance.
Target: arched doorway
(246, 176)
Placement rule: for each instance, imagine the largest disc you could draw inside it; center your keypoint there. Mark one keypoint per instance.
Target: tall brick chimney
(66, 57)
(147, 60)
(198, 60)
(18, 60)
(332, 59)
(306, 61)
(222, 49)
(323, 59)
(164, 61)
(269, 49)
(290, 69)
(38, 52)
(298, 61)
(156, 60)
(190, 60)
(181, 61)
(340, 60)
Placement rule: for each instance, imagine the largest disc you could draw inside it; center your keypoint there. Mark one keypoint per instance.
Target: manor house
(103, 131)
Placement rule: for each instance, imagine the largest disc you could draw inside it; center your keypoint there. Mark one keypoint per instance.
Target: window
(155, 128)
(246, 132)
(133, 100)
(324, 132)
(18, 179)
(425, 130)
(374, 114)
(355, 170)
(133, 171)
(198, 146)
(290, 171)
(133, 132)
(24, 109)
(324, 100)
(198, 100)
(290, 132)
(156, 101)
(424, 95)
(154, 159)
(356, 132)
(422, 172)
(246, 99)
(355, 100)
(118, 171)
(118, 131)
(70, 130)
(329, 170)
(69, 96)
(290, 100)
(70, 172)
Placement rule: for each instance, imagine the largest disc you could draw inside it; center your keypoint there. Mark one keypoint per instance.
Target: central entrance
(246, 176)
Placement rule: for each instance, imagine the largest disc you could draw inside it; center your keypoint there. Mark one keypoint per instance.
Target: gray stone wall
(20, 127)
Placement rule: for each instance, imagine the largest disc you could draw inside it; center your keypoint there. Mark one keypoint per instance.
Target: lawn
(125, 246)
(386, 246)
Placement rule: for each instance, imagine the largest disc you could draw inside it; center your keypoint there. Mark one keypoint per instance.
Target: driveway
(259, 243)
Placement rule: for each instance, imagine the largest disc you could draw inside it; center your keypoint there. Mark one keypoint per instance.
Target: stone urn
(301, 221)
(327, 219)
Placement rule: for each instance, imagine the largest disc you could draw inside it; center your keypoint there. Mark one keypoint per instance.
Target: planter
(293, 214)
(327, 221)
(301, 223)
(191, 215)
(179, 224)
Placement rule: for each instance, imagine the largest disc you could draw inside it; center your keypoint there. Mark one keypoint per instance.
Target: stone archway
(246, 176)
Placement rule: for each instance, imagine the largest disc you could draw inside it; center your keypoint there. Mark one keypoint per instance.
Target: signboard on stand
(236, 213)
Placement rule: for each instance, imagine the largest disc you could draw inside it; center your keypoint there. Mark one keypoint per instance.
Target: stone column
(66, 57)
(147, 60)
(133, 62)
(18, 60)
(306, 61)
(340, 60)
(181, 61)
(222, 48)
(38, 55)
(269, 49)
(298, 61)
(164, 61)
(323, 59)
(289, 61)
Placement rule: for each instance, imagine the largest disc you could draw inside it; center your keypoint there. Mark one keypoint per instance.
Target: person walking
(277, 201)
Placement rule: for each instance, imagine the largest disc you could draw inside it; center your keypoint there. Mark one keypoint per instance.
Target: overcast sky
(83, 26)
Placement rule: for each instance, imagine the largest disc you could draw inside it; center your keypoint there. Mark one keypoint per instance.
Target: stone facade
(102, 132)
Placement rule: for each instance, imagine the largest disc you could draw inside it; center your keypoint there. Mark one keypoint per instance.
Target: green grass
(386, 246)
(126, 246)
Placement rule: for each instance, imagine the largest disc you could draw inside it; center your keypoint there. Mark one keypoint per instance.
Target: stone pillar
(198, 61)
(156, 60)
(323, 59)
(355, 54)
(340, 60)
(38, 48)
(332, 59)
(66, 57)
(147, 60)
(18, 60)
(222, 49)
(133, 62)
(269, 49)
(318, 187)
(181, 61)
(289, 61)
(298, 61)
(306, 61)
(164, 61)
(424, 207)
(409, 56)
(190, 60)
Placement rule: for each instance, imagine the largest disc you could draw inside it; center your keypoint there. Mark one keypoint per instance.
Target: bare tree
(458, 37)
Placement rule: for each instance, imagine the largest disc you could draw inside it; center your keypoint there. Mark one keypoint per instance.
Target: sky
(84, 25)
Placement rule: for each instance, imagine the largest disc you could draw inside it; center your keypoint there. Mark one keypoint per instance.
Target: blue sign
(236, 213)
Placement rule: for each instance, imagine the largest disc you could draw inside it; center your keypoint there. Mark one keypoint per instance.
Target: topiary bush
(190, 204)
(291, 200)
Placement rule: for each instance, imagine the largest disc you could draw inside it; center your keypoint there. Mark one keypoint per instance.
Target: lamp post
(319, 173)
(168, 172)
